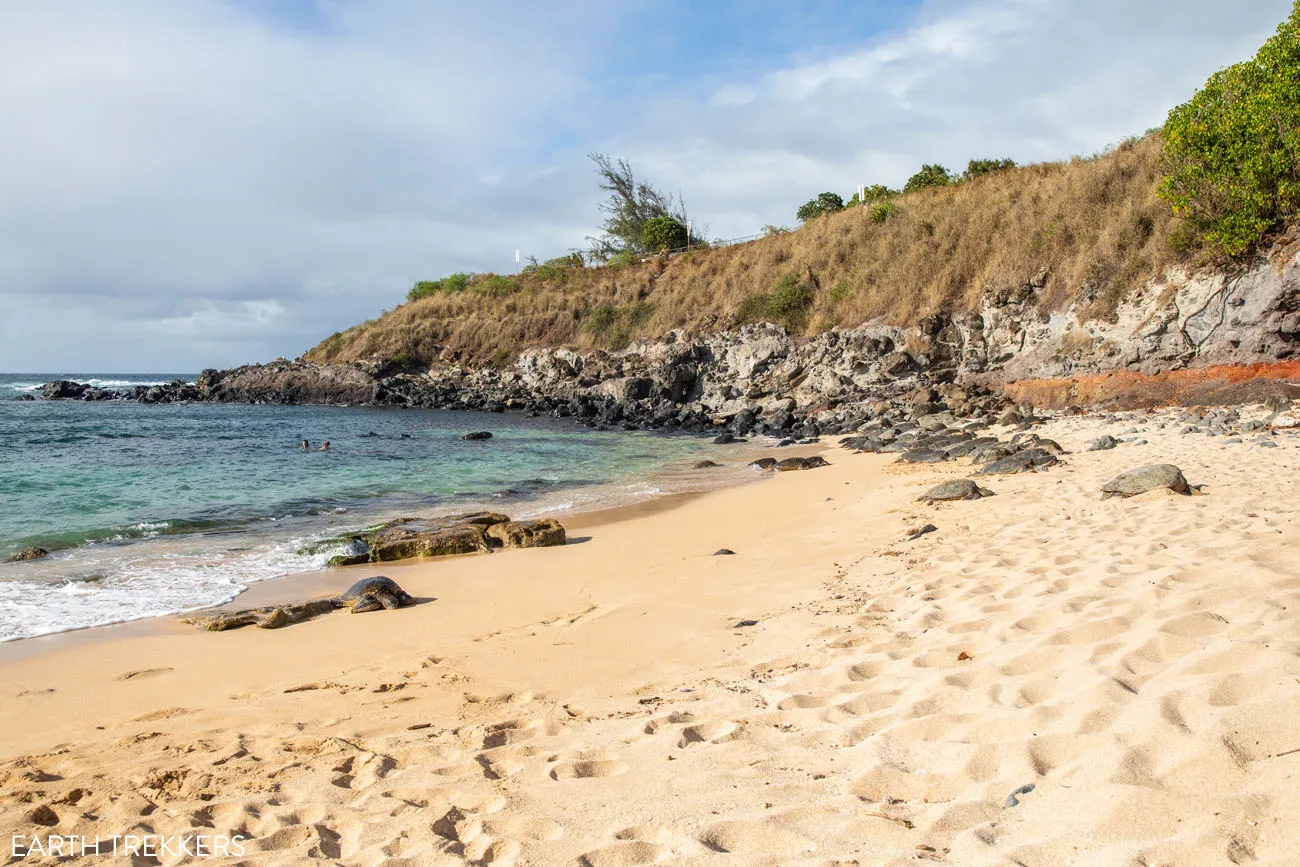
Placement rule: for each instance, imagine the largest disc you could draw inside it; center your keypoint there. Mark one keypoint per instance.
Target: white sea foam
(94, 383)
(134, 588)
(121, 383)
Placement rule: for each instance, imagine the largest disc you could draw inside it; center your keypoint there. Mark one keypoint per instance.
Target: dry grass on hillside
(1095, 223)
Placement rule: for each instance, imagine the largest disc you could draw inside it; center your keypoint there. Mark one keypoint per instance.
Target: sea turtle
(371, 594)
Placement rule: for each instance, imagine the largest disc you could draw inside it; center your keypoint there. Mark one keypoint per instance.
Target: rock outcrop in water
(760, 379)
(28, 554)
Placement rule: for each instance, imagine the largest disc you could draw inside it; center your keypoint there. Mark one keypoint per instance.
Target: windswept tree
(929, 176)
(639, 219)
(825, 203)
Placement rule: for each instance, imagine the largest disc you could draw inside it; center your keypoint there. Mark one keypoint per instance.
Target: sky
(216, 182)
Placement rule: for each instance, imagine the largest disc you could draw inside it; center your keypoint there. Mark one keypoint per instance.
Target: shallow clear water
(159, 509)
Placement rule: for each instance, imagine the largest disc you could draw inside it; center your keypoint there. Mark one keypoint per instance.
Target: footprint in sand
(587, 765)
(529, 828)
(624, 855)
(755, 839)
(513, 731)
(712, 732)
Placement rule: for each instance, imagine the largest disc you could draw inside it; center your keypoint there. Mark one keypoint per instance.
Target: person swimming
(325, 447)
(305, 445)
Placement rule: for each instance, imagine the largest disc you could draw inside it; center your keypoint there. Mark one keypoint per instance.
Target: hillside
(1086, 232)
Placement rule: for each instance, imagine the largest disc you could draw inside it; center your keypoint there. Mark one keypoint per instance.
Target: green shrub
(404, 359)
(612, 326)
(881, 211)
(1183, 237)
(788, 304)
(1232, 153)
(624, 258)
(929, 176)
(458, 282)
(663, 233)
(496, 285)
(825, 203)
(553, 269)
(874, 193)
(979, 168)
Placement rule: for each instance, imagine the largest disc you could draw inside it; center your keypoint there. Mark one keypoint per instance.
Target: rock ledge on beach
(368, 594)
(478, 532)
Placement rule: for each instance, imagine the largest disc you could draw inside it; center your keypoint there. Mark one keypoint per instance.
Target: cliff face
(290, 382)
(1223, 330)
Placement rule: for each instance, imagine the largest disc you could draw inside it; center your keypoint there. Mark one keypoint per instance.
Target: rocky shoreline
(759, 379)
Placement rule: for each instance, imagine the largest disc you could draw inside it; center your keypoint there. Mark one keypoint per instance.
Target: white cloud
(192, 184)
(1031, 79)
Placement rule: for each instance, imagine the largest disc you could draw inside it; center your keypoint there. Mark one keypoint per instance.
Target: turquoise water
(159, 509)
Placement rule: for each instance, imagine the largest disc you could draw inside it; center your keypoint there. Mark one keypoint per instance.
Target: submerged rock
(1144, 479)
(477, 435)
(706, 465)
(28, 554)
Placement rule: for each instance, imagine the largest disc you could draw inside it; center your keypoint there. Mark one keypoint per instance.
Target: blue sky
(220, 181)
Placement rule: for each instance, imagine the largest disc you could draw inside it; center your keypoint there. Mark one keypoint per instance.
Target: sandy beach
(832, 694)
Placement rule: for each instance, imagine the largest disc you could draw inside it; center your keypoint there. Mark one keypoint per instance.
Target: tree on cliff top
(1232, 153)
(639, 219)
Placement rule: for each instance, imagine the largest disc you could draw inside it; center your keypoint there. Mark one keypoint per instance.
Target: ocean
(152, 510)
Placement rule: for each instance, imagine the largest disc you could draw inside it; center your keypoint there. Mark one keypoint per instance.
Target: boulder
(477, 435)
(27, 554)
(415, 537)
(763, 463)
(956, 489)
(1103, 443)
(63, 389)
(1144, 479)
(706, 465)
(546, 533)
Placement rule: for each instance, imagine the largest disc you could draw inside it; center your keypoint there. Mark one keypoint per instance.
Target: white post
(862, 196)
(688, 234)
(516, 260)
